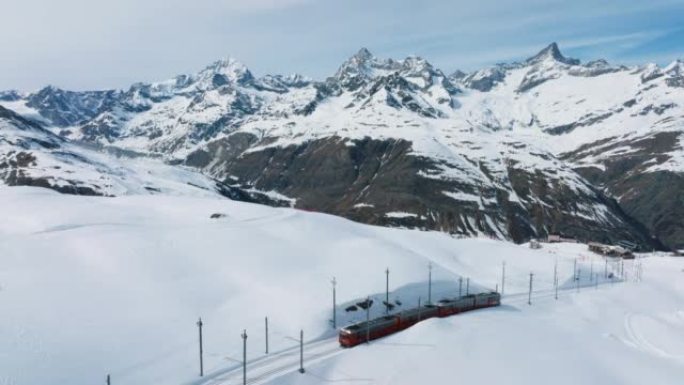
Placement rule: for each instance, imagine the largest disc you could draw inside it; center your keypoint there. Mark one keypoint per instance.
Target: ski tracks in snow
(638, 340)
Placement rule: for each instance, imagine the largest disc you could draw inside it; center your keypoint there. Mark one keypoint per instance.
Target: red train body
(361, 332)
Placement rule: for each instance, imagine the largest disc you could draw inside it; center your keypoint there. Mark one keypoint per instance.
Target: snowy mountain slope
(30, 155)
(93, 285)
(494, 151)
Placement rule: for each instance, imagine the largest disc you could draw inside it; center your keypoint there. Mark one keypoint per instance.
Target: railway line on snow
(265, 368)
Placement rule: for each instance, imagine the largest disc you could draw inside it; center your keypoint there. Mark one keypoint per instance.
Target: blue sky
(95, 44)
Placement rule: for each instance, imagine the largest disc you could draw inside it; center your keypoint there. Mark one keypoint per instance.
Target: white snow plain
(92, 285)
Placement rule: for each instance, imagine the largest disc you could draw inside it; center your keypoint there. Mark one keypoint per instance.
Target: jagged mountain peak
(675, 74)
(363, 54)
(363, 66)
(676, 66)
(551, 52)
(48, 90)
(416, 61)
(417, 65)
(10, 95)
(457, 75)
(227, 66)
(292, 80)
(226, 71)
(485, 79)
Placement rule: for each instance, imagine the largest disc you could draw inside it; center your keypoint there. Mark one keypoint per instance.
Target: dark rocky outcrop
(653, 198)
(365, 180)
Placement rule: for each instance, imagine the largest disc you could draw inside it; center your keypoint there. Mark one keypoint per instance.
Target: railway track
(265, 368)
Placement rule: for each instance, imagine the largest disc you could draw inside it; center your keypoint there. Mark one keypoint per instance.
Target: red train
(361, 332)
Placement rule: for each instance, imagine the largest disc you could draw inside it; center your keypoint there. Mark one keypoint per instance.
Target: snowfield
(92, 285)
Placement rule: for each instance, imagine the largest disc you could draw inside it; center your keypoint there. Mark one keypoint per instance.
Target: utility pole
(605, 269)
(503, 277)
(334, 309)
(467, 285)
(387, 304)
(244, 357)
(529, 296)
(556, 295)
(574, 271)
(591, 271)
(577, 282)
(367, 319)
(596, 281)
(420, 310)
(201, 352)
(301, 351)
(555, 272)
(460, 286)
(430, 283)
(555, 278)
(109, 380)
(266, 324)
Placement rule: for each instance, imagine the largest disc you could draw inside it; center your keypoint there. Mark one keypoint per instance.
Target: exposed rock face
(647, 189)
(552, 52)
(484, 80)
(382, 182)
(23, 144)
(10, 96)
(68, 108)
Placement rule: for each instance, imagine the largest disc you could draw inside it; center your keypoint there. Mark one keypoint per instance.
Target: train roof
(410, 312)
(371, 323)
(454, 299)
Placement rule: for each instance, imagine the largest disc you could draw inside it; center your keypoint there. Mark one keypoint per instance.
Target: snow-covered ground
(90, 286)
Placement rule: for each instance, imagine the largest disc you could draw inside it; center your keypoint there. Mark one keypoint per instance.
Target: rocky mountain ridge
(514, 151)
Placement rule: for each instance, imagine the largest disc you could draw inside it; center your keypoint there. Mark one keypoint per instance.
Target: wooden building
(610, 250)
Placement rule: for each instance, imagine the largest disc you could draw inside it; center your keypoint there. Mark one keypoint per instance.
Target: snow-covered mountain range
(515, 151)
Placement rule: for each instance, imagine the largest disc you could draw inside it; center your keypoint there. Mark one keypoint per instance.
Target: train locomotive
(361, 332)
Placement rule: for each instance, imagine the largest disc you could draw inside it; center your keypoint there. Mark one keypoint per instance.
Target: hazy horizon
(81, 44)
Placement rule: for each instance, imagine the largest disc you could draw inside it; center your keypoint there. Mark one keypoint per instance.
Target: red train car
(358, 333)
